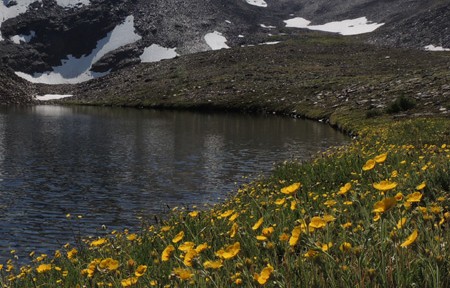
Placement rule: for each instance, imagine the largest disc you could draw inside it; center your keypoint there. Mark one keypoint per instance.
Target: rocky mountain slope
(47, 37)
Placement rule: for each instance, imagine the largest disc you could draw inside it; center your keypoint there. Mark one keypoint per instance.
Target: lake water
(113, 165)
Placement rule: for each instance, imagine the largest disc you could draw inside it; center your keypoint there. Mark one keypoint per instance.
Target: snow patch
(76, 70)
(267, 26)
(48, 97)
(72, 3)
(13, 11)
(17, 39)
(216, 41)
(345, 27)
(155, 53)
(270, 43)
(259, 3)
(435, 48)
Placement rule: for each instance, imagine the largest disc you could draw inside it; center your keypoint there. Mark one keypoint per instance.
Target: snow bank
(76, 70)
(13, 11)
(72, 3)
(17, 39)
(435, 48)
(259, 3)
(155, 53)
(345, 27)
(216, 41)
(48, 97)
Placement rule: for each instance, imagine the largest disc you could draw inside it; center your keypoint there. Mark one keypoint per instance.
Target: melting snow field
(155, 53)
(346, 27)
(435, 48)
(22, 6)
(48, 97)
(76, 70)
(259, 3)
(216, 41)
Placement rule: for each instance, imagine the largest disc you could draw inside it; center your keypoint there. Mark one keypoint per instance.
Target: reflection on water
(113, 165)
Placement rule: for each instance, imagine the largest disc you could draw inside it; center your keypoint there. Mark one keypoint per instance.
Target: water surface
(114, 165)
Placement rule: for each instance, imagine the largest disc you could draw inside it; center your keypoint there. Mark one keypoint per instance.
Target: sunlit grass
(374, 213)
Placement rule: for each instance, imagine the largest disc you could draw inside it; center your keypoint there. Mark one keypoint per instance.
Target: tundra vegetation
(373, 213)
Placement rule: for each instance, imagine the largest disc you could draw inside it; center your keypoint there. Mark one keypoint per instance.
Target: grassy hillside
(375, 213)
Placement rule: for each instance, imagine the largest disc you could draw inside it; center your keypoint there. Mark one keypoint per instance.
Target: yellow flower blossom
(385, 185)
(72, 253)
(189, 257)
(262, 277)
(140, 270)
(280, 201)
(128, 282)
(291, 189)
(384, 205)
(108, 264)
(370, 164)
(132, 237)
(421, 186)
(380, 158)
(410, 240)
(178, 237)
(261, 238)
(44, 268)
(183, 274)
(344, 189)
(295, 236)
(202, 247)
(233, 217)
(414, 197)
(193, 214)
(345, 247)
(401, 223)
(311, 254)
(330, 203)
(212, 264)
(229, 251)
(226, 214)
(284, 237)
(234, 230)
(268, 231)
(293, 205)
(258, 223)
(165, 256)
(317, 223)
(186, 246)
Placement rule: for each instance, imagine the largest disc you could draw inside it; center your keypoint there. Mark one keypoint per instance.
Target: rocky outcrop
(14, 90)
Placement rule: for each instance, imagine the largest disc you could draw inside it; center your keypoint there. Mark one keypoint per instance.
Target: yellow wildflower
(293, 205)
(109, 264)
(129, 281)
(202, 247)
(226, 213)
(414, 197)
(291, 189)
(72, 253)
(140, 270)
(183, 274)
(186, 246)
(167, 252)
(234, 217)
(258, 223)
(44, 268)
(268, 231)
(132, 237)
(234, 230)
(317, 222)
(229, 251)
(193, 214)
(178, 237)
(262, 277)
(384, 205)
(401, 223)
(295, 236)
(344, 189)
(280, 201)
(345, 247)
(99, 242)
(385, 185)
(212, 264)
(380, 158)
(284, 237)
(421, 186)
(311, 254)
(370, 164)
(189, 257)
(411, 239)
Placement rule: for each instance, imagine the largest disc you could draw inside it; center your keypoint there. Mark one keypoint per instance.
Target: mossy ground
(375, 213)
